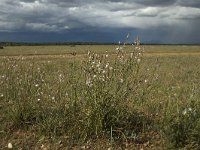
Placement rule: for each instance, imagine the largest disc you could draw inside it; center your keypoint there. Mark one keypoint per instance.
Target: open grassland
(83, 49)
(62, 97)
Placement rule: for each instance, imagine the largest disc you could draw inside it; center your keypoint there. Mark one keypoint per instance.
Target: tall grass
(124, 97)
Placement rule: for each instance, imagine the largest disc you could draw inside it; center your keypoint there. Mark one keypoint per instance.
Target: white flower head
(98, 65)
(131, 55)
(107, 65)
(36, 85)
(121, 80)
(99, 70)
(1, 95)
(190, 109)
(89, 82)
(138, 60)
(10, 146)
(184, 112)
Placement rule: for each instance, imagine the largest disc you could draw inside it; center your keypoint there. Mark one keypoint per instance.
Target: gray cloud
(62, 16)
(156, 2)
(189, 3)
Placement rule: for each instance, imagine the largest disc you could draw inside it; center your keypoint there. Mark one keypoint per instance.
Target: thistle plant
(111, 85)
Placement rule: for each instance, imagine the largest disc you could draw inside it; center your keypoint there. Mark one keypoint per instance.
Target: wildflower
(131, 55)
(102, 79)
(98, 65)
(36, 85)
(60, 77)
(138, 60)
(38, 99)
(99, 70)
(89, 82)
(106, 55)
(107, 65)
(121, 80)
(184, 112)
(10, 146)
(53, 98)
(103, 71)
(95, 76)
(190, 109)
(1, 95)
(145, 80)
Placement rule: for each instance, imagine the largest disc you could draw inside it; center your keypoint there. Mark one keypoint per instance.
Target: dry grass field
(95, 97)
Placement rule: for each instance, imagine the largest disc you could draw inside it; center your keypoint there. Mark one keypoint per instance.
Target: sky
(154, 21)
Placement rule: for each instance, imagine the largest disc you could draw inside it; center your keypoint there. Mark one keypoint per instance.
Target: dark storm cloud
(67, 16)
(149, 2)
(189, 3)
(156, 2)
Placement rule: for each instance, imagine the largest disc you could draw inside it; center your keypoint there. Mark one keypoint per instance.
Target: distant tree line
(63, 43)
(3, 44)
